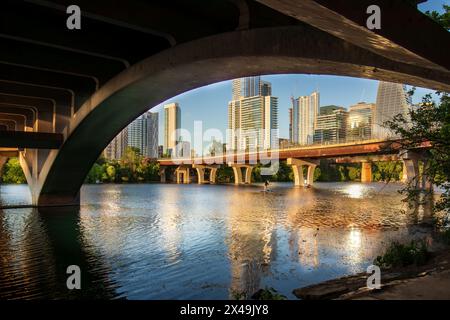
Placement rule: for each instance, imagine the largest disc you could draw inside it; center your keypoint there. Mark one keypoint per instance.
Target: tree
(428, 123)
(12, 172)
(442, 19)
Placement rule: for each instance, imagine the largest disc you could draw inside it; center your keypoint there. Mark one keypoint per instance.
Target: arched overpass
(87, 85)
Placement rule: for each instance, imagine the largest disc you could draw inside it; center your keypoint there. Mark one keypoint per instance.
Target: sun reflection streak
(354, 245)
(354, 191)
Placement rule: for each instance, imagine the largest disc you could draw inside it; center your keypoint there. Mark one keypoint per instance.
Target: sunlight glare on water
(168, 241)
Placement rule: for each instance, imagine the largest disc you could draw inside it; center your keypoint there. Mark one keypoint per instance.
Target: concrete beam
(347, 20)
(34, 140)
(9, 152)
(372, 158)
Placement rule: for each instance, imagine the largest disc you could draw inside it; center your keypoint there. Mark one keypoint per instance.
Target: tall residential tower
(172, 122)
(252, 115)
(304, 111)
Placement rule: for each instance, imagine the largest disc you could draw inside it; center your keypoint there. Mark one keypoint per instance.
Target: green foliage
(131, 168)
(401, 255)
(429, 123)
(268, 294)
(442, 19)
(354, 173)
(237, 295)
(387, 171)
(12, 172)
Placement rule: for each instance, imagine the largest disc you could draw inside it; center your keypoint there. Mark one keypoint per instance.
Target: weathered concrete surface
(406, 34)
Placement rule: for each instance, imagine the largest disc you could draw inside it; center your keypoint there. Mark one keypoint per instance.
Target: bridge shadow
(38, 249)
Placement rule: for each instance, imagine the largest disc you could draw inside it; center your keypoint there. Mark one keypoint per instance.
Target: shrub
(401, 255)
(268, 294)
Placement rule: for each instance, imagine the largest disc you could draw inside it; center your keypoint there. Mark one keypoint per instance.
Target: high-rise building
(172, 122)
(305, 110)
(329, 109)
(250, 87)
(392, 99)
(331, 127)
(116, 148)
(360, 121)
(291, 136)
(143, 134)
(252, 115)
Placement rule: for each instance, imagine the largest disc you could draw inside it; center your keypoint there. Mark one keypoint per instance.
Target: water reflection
(251, 240)
(37, 247)
(201, 242)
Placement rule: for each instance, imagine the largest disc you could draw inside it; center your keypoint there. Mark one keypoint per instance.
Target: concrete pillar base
(238, 173)
(366, 172)
(183, 175)
(297, 168)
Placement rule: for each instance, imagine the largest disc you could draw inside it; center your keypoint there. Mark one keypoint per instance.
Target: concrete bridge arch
(85, 87)
(278, 50)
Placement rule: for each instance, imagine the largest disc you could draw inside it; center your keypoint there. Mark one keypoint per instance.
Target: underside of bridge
(79, 88)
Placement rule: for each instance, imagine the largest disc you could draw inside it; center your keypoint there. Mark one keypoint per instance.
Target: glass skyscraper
(392, 99)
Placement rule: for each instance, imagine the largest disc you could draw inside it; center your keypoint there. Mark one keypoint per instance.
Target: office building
(392, 99)
(172, 122)
(331, 127)
(360, 121)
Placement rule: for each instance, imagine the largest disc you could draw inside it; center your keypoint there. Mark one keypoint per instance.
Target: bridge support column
(238, 173)
(201, 173)
(183, 174)
(248, 174)
(162, 174)
(297, 168)
(310, 176)
(366, 172)
(411, 169)
(212, 176)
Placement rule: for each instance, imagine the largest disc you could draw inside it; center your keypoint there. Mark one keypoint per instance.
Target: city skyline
(316, 128)
(209, 104)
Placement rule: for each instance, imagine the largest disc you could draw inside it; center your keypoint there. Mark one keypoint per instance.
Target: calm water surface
(167, 241)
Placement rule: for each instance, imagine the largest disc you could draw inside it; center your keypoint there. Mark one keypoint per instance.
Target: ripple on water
(199, 242)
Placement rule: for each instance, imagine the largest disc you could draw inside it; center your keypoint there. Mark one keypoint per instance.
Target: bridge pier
(366, 172)
(183, 174)
(238, 173)
(212, 175)
(201, 173)
(297, 168)
(162, 174)
(411, 172)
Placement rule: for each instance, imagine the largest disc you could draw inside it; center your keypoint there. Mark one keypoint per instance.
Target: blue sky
(209, 104)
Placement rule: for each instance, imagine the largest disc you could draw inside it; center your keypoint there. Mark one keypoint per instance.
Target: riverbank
(428, 282)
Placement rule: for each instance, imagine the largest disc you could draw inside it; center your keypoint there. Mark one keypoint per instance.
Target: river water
(168, 241)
